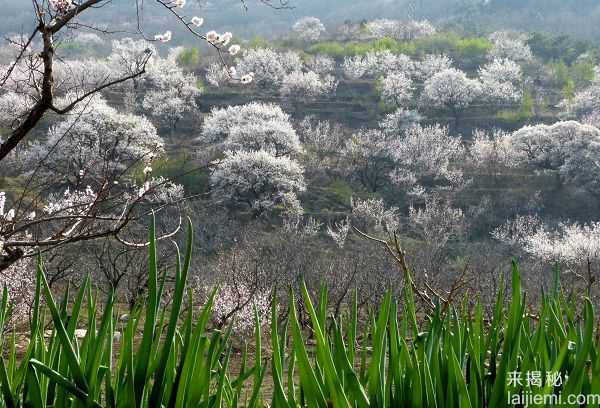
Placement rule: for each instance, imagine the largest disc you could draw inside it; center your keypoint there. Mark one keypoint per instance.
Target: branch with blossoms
(51, 18)
(101, 197)
(219, 42)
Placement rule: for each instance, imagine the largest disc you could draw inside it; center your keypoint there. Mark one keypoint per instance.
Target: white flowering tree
(42, 83)
(573, 246)
(501, 81)
(493, 151)
(399, 121)
(169, 92)
(400, 30)
(376, 64)
(585, 103)
(451, 89)
(267, 67)
(255, 126)
(571, 149)
(510, 45)
(95, 148)
(436, 225)
(309, 28)
(322, 65)
(307, 85)
(426, 159)
(396, 89)
(368, 158)
(258, 181)
(430, 65)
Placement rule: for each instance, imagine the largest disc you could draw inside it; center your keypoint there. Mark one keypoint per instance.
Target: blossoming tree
(44, 86)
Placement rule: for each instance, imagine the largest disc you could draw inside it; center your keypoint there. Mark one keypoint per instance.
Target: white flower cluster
(236, 305)
(399, 121)
(382, 63)
(61, 6)
(254, 126)
(570, 244)
(437, 222)
(165, 37)
(101, 141)
(450, 88)
(322, 65)
(13, 108)
(258, 180)
(374, 213)
(375, 64)
(212, 37)
(427, 152)
(494, 149)
(307, 84)
(517, 231)
(266, 66)
(71, 203)
(586, 102)
(339, 232)
(400, 30)
(309, 28)
(397, 89)
(569, 148)
(501, 80)
(6, 215)
(19, 281)
(510, 45)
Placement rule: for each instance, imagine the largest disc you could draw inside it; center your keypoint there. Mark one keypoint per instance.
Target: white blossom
(234, 49)
(375, 214)
(427, 152)
(430, 65)
(339, 232)
(14, 108)
(197, 21)
(494, 150)
(165, 37)
(258, 180)
(501, 80)
(102, 142)
(322, 65)
(375, 64)
(216, 74)
(399, 30)
(61, 6)
(307, 84)
(570, 148)
(267, 66)
(510, 45)
(585, 102)
(399, 121)
(517, 231)
(212, 36)
(237, 304)
(10, 215)
(437, 223)
(309, 28)
(248, 78)
(2, 203)
(255, 126)
(397, 89)
(452, 89)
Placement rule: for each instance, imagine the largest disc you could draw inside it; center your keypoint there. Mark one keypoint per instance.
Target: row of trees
(81, 162)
